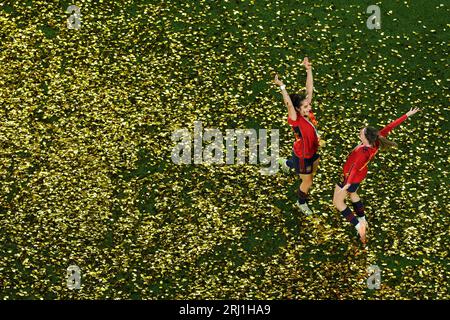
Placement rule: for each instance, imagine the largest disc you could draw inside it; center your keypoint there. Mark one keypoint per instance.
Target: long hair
(297, 100)
(374, 138)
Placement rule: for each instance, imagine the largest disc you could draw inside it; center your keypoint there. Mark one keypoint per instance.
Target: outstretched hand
(412, 111)
(277, 81)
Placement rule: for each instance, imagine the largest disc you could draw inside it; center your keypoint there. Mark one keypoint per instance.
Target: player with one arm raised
(355, 170)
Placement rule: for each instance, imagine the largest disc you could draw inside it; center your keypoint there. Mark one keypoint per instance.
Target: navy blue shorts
(303, 166)
(353, 187)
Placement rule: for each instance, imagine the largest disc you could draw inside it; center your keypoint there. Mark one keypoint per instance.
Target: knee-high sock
(359, 208)
(347, 214)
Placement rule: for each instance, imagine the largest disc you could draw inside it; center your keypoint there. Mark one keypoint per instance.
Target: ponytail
(385, 144)
(374, 138)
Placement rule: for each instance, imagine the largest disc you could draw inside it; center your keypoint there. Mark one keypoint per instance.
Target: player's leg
(303, 167)
(358, 207)
(307, 180)
(307, 168)
(339, 202)
(339, 198)
(315, 167)
(302, 193)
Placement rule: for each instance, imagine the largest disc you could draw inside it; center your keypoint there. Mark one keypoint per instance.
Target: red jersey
(355, 169)
(306, 139)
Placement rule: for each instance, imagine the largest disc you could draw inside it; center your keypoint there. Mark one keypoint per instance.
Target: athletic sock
(302, 197)
(348, 214)
(359, 208)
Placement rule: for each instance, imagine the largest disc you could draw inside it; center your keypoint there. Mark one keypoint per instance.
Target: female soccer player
(355, 170)
(305, 159)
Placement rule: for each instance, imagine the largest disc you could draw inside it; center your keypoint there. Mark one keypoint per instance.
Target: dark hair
(373, 136)
(297, 99)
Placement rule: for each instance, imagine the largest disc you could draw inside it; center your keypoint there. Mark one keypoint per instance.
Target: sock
(302, 197)
(347, 214)
(359, 208)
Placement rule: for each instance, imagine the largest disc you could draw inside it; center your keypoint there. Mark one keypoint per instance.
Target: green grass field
(86, 176)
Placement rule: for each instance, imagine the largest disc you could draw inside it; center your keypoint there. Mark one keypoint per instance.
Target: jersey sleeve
(292, 122)
(387, 129)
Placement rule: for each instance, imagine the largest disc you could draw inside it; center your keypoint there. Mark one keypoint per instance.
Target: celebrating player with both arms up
(305, 159)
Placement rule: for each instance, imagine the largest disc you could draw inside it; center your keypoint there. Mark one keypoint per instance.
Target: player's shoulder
(293, 122)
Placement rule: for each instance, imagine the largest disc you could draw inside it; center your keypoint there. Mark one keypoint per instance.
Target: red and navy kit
(355, 168)
(306, 139)
(304, 152)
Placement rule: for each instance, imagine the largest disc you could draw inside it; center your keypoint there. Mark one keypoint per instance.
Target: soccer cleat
(363, 220)
(304, 208)
(361, 228)
(284, 167)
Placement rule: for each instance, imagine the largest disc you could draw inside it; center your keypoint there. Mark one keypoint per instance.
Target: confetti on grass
(86, 174)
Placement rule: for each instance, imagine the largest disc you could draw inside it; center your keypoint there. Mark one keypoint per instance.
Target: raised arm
(309, 80)
(387, 129)
(287, 100)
